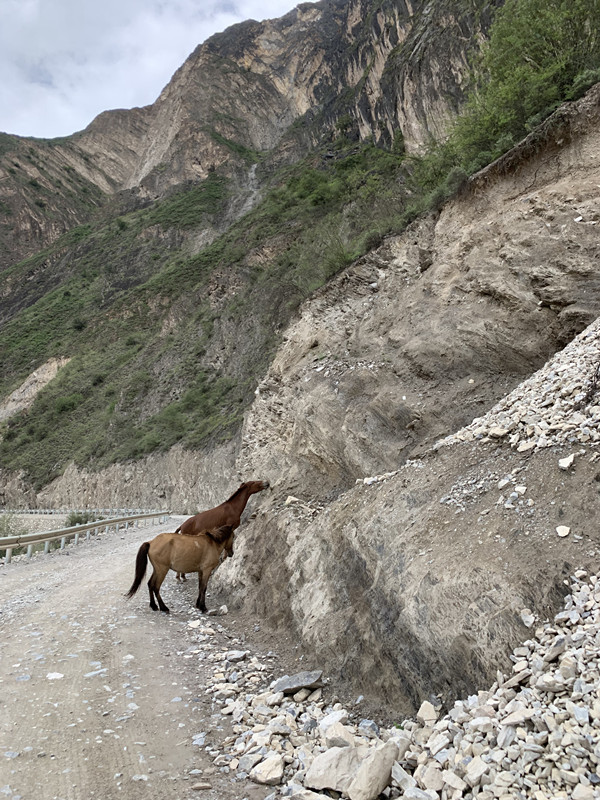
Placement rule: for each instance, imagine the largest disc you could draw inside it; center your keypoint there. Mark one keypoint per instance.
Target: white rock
(331, 719)
(337, 735)
(402, 741)
(374, 773)
(269, 772)
(335, 768)
(581, 792)
(453, 780)
(427, 714)
(476, 768)
(565, 463)
(527, 617)
(563, 530)
(298, 793)
(401, 778)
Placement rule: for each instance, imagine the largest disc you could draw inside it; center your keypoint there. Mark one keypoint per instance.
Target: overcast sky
(62, 62)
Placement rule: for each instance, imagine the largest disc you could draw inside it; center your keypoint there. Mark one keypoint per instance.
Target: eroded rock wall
(416, 579)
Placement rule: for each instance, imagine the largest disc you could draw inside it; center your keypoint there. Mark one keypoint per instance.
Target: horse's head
(224, 536)
(257, 486)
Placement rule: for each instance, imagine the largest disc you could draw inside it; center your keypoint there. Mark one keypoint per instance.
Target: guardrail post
(47, 547)
(8, 556)
(29, 551)
(76, 538)
(63, 542)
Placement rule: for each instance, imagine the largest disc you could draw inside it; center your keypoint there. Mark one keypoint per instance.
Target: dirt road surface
(99, 696)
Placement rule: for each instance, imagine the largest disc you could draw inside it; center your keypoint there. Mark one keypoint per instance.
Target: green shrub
(582, 82)
(537, 56)
(64, 405)
(81, 518)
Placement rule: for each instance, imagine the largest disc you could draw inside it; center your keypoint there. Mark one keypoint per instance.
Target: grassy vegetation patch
(188, 208)
(539, 54)
(247, 154)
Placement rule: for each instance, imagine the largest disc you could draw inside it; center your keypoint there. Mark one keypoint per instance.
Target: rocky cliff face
(416, 578)
(275, 88)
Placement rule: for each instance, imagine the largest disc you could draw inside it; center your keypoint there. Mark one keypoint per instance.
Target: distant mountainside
(263, 92)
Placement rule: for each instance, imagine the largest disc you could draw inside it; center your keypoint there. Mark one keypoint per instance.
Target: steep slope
(418, 336)
(414, 581)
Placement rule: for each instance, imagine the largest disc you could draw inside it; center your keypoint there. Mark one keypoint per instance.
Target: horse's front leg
(203, 577)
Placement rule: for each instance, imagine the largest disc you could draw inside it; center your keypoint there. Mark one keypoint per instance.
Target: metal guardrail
(9, 543)
(66, 511)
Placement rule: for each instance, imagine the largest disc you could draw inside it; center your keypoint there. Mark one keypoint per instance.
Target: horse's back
(181, 553)
(204, 521)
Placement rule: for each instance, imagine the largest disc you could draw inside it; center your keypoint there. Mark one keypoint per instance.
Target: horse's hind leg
(153, 605)
(154, 585)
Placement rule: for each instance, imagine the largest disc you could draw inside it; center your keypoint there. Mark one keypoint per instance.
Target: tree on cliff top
(540, 53)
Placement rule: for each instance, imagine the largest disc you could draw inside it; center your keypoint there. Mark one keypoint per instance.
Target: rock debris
(535, 733)
(558, 405)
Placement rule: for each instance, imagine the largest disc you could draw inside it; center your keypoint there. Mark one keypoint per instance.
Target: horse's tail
(141, 562)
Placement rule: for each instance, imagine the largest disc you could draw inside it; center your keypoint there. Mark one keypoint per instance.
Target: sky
(62, 62)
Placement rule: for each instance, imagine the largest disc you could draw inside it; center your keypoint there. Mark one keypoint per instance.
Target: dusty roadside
(100, 697)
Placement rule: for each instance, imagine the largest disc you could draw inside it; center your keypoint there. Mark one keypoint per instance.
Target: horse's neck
(239, 502)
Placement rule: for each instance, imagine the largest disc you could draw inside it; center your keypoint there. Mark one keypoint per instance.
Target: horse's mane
(239, 490)
(220, 535)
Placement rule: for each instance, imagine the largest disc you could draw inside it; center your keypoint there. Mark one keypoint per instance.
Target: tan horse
(166, 551)
(227, 513)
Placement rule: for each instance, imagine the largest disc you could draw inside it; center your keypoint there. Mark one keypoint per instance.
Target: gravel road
(101, 697)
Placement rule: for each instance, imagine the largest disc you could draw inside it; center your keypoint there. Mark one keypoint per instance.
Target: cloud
(64, 62)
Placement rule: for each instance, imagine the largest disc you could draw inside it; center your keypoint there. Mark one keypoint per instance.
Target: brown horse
(166, 551)
(227, 513)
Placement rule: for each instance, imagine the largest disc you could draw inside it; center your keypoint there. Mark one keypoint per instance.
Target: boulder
(336, 768)
(374, 773)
